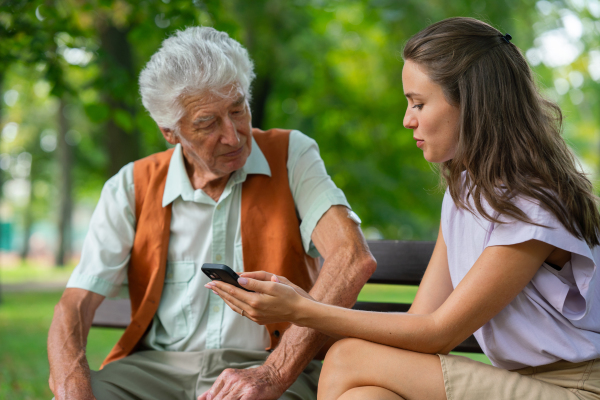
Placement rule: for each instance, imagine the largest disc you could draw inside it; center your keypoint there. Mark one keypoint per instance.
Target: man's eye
(418, 106)
(205, 127)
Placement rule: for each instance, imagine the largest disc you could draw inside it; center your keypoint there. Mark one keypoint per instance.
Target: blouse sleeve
(572, 291)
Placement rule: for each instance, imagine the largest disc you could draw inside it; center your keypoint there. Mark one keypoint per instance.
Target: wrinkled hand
(262, 383)
(272, 301)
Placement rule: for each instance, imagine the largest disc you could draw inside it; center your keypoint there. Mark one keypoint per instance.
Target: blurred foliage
(329, 68)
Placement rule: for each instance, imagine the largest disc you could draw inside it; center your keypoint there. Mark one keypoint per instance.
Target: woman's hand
(275, 299)
(267, 276)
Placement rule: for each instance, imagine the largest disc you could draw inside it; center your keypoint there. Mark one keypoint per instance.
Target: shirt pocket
(174, 310)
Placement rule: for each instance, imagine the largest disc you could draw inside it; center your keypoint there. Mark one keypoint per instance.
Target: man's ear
(169, 135)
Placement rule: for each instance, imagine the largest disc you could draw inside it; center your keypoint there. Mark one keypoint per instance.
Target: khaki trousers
(165, 375)
(466, 379)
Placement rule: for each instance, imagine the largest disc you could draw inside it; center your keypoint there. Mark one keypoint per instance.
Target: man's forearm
(342, 277)
(69, 369)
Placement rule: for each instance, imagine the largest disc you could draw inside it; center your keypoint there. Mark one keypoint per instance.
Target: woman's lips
(419, 142)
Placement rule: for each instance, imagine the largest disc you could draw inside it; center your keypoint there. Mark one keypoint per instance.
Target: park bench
(398, 263)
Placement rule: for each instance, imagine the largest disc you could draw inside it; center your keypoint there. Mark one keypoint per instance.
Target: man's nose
(230, 135)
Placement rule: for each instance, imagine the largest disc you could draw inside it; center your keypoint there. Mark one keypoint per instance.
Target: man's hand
(262, 383)
(348, 265)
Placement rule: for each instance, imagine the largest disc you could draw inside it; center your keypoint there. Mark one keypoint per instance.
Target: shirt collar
(178, 182)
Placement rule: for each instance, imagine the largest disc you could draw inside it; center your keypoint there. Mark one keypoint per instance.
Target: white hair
(195, 60)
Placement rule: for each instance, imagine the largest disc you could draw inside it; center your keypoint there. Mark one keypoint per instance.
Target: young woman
(515, 259)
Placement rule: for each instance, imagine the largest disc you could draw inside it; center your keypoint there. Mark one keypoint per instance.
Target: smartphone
(221, 272)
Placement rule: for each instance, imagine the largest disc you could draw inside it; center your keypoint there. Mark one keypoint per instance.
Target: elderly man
(226, 193)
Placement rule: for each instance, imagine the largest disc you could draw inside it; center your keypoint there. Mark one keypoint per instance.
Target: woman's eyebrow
(410, 95)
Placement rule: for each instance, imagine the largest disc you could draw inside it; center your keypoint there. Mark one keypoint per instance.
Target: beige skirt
(466, 379)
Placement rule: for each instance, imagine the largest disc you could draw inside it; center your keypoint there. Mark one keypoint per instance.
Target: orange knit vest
(270, 227)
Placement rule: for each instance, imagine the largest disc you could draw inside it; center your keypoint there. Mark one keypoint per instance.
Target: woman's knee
(369, 392)
(344, 352)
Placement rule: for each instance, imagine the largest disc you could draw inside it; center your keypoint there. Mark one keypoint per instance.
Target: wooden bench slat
(113, 314)
(470, 345)
(400, 262)
(381, 307)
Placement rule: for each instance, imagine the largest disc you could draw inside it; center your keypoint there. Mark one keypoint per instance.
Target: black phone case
(221, 272)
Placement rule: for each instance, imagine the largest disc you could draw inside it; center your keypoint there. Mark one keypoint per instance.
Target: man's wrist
(283, 375)
(76, 383)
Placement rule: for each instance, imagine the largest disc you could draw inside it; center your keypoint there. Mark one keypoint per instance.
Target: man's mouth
(235, 153)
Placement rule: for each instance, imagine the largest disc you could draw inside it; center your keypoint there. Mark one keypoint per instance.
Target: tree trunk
(65, 156)
(119, 93)
(1, 171)
(28, 223)
(261, 89)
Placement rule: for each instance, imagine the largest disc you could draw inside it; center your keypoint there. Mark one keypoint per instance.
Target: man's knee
(104, 390)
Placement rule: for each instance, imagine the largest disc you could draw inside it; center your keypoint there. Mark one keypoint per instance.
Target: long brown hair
(509, 141)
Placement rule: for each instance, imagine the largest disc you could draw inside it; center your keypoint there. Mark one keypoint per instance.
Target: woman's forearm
(420, 333)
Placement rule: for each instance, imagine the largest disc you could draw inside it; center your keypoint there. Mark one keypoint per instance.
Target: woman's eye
(418, 106)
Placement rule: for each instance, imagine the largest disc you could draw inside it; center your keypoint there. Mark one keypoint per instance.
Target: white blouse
(557, 315)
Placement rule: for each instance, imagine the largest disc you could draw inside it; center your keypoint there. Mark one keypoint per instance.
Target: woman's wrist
(305, 312)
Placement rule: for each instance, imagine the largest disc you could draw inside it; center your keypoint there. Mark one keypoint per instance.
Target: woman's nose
(409, 122)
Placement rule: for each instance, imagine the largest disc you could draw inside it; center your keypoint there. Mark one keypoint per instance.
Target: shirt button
(216, 308)
(170, 276)
(218, 257)
(219, 207)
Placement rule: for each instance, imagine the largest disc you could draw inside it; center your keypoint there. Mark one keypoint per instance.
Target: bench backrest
(398, 263)
(404, 263)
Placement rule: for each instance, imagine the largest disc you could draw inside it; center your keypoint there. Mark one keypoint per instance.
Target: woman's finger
(265, 287)
(232, 299)
(258, 275)
(233, 290)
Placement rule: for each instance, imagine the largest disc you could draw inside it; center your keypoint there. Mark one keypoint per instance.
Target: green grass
(29, 272)
(25, 319)
(24, 322)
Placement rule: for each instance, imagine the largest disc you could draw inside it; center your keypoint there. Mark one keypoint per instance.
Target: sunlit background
(71, 117)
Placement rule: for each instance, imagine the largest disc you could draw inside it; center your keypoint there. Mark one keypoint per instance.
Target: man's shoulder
(155, 160)
(274, 136)
(279, 138)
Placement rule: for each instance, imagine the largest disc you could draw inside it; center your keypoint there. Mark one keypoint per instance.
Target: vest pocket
(174, 310)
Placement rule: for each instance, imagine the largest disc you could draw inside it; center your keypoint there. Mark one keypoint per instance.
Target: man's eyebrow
(239, 100)
(203, 119)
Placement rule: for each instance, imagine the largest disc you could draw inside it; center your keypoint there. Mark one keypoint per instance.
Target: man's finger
(229, 389)
(215, 389)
